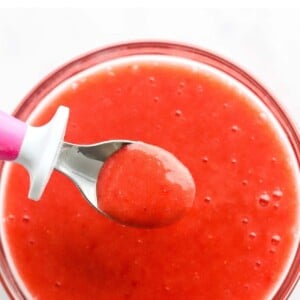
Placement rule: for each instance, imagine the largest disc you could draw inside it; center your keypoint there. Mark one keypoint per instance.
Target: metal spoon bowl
(83, 163)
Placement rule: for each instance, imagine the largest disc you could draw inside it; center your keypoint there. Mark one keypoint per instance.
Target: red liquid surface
(144, 185)
(235, 242)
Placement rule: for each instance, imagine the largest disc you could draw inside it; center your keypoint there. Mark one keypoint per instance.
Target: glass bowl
(102, 55)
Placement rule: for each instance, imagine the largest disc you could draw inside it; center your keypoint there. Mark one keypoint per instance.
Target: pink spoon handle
(12, 132)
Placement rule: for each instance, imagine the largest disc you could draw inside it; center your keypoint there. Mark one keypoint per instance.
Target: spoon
(42, 149)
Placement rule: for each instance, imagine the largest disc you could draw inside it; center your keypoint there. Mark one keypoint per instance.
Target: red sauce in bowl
(236, 242)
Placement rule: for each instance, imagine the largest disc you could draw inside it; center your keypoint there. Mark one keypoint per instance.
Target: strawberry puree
(237, 240)
(144, 185)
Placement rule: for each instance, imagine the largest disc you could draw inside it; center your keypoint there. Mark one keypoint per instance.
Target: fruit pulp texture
(144, 186)
(235, 243)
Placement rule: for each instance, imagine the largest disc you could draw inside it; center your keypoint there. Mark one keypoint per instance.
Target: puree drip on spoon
(144, 185)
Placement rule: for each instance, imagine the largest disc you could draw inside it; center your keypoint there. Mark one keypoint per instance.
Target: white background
(264, 42)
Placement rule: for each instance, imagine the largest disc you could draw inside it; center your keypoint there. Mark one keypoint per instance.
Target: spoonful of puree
(130, 182)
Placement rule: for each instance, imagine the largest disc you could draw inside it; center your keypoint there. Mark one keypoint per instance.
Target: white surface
(264, 42)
